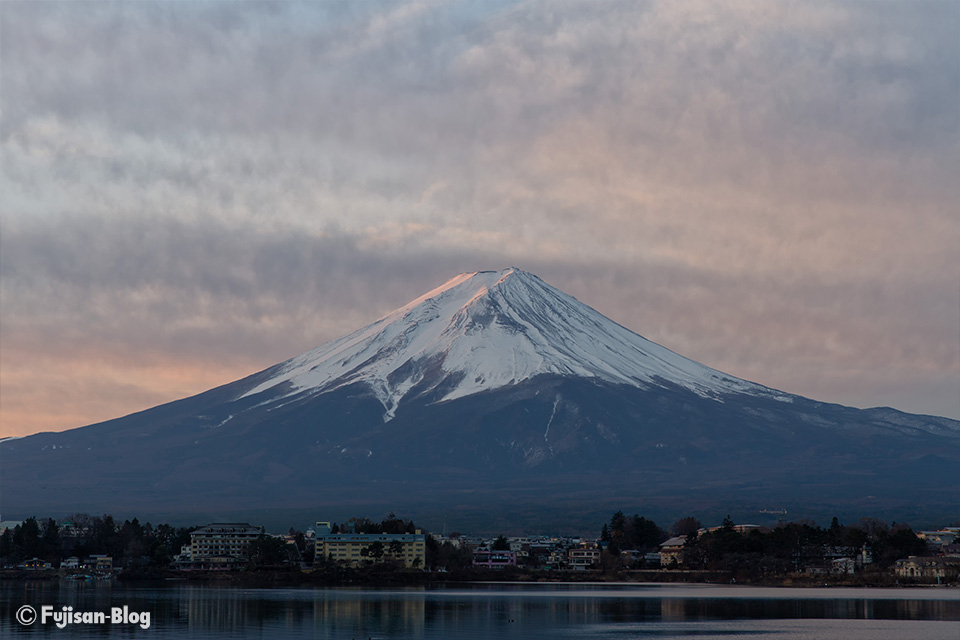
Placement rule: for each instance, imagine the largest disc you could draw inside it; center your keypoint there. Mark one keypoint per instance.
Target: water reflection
(502, 611)
(337, 614)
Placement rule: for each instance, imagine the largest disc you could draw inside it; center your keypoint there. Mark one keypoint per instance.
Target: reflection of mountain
(494, 395)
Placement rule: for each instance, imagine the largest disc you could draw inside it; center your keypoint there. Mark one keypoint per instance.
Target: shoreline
(370, 577)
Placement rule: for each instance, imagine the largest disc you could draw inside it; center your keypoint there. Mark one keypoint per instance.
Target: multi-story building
(220, 545)
(582, 558)
(354, 549)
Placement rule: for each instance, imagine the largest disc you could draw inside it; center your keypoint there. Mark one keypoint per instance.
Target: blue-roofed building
(355, 549)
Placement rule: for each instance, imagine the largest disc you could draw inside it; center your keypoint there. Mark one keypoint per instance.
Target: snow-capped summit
(484, 330)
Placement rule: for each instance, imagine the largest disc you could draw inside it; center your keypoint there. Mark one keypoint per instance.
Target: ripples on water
(497, 611)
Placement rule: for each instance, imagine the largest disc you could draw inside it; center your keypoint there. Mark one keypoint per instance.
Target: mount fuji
(493, 396)
(484, 331)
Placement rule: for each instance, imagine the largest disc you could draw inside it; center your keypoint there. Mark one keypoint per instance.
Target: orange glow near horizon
(83, 392)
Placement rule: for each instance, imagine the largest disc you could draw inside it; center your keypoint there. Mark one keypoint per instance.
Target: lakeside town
(84, 547)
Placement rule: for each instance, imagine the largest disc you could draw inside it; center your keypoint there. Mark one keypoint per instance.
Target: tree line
(785, 548)
(82, 535)
(131, 543)
(391, 525)
(636, 533)
(794, 546)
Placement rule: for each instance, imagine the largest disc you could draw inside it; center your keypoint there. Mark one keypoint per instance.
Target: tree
(50, 540)
(131, 541)
(17, 543)
(358, 525)
(618, 528)
(904, 542)
(393, 524)
(28, 537)
(80, 524)
(300, 542)
(644, 534)
(873, 527)
(616, 534)
(693, 551)
(446, 555)
(268, 550)
(105, 537)
(855, 537)
(375, 550)
(686, 526)
(6, 543)
(500, 544)
(835, 532)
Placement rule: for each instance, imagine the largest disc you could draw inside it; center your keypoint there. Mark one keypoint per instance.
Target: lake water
(515, 611)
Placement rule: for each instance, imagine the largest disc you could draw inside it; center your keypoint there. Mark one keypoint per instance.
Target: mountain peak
(480, 281)
(498, 389)
(484, 330)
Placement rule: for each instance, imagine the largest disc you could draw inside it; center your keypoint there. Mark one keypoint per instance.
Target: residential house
(34, 564)
(834, 566)
(843, 566)
(453, 540)
(672, 550)
(557, 559)
(938, 539)
(494, 559)
(581, 559)
(634, 558)
(98, 562)
(538, 555)
(9, 524)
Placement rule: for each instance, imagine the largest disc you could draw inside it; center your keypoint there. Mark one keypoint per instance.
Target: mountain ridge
(417, 411)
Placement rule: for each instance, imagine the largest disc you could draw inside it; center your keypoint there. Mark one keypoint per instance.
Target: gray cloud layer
(769, 188)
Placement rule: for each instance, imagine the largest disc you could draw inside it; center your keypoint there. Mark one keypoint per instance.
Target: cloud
(767, 187)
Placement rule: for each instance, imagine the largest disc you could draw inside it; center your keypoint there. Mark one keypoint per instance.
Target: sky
(193, 191)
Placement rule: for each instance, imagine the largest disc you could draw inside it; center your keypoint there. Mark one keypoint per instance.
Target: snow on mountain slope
(488, 329)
